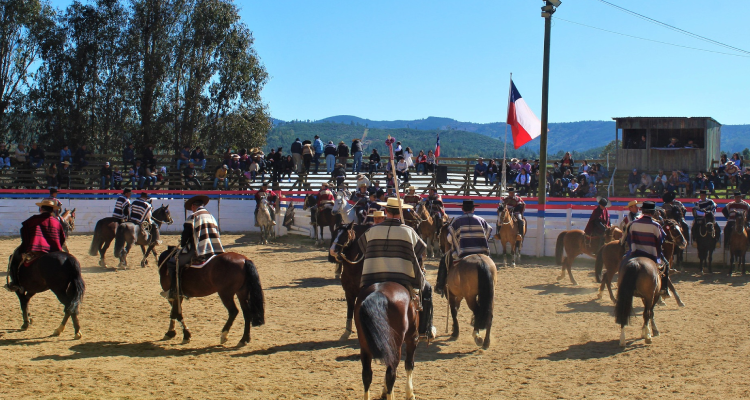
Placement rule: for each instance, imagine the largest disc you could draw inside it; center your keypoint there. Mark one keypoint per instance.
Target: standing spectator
(357, 155)
(374, 161)
(191, 178)
(646, 183)
(106, 176)
(183, 157)
(525, 165)
(398, 151)
(634, 180)
(36, 156)
(402, 169)
(148, 157)
(79, 158)
(287, 168)
(343, 153)
(567, 162)
(64, 175)
(117, 178)
(430, 161)
(278, 166)
(319, 148)
(480, 169)
(228, 156)
(339, 174)
(4, 156)
(297, 156)
(409, 158)
(21, 154)
(52, 176)
(221, 175)
(422, 162)
(307, 156)
(65, 154)
(128, 155)
(523, 182)
(330, 152)
(198, 158)
(254, 168)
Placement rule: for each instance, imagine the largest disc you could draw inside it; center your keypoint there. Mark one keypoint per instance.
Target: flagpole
(389, 143)
(505, 149)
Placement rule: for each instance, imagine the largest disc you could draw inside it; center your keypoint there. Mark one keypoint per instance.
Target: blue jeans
(104, 185)
(181, 163)
(5, 162)
(316, 160)
(226, 183)
(36, 162)
(146, 181)
(199, 163)
(330, 163)
(357, 164)
(373, 167)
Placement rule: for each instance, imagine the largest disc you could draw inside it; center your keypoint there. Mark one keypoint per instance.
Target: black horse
(706, 238)
(675, 212)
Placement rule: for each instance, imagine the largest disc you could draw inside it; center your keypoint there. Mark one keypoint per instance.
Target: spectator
(319, 148)
(673, 182)
(557, 173)
(107, 179)
(422, 162)
(584, 167)
(278, 165)
(525, 165)
(63, 176)
(583, 188)
(79, 158)
(36, 156)
(398, 151)
(594, 173)
(330, 153)
(492, 171)
(128, 155)
(288, 167)
(642, 143)
(374, 161)
(737, 160)
(572, 186)
(535, 168)
(556, 190)
(221, 175)
(307, 156)
(191, 178)
(390, 183)
(245, 159)
(235, 167)
(254, 168)
(402, 169)
(362, 180)
(52, 176)
(702, 182)
(357, 155)
(228, 156)
(430, 161)
(690, 145)
(4, 156)
(297, 156)
(183, 157)
(21, 154)
(374, 187)
(646, 183)
(523, 182)
(338, 174)
(591, 190)
(149, 177)
(567, 162)
(117, 178)
(408, 157)
(135, 176)
(661, 177)
(480, 169)
(672, 143)
(745, 181)
(65, 154)
(634, 180)
(343, 153)
(198, 158)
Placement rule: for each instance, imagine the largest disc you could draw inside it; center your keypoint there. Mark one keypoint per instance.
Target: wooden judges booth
(667, 143)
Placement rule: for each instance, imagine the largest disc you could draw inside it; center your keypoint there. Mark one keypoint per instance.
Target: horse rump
(485, 295)
(255, 294)
(373, 316)
(119, 240)
(560, 247)
(625, 291)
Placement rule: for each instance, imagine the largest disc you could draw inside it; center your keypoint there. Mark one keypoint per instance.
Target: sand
(550, 339)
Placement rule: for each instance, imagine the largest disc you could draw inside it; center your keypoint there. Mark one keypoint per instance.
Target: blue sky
(412, 59)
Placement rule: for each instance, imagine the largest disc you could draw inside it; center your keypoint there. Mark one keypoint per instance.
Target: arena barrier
(234, 213)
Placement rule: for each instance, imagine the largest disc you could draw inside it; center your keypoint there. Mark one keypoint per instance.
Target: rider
(270, 198)
(598, 224)
(704, 205)
(730, 212)
(633, 214)
(393, 253)
(411, 198)
(122, 207)
(469, 233)
(645, 238)
(140, 214)
(435, 202)
(516, 207)
(53, 197)
(326, 197)
(361, 197)
(40, 234)
(670, 199)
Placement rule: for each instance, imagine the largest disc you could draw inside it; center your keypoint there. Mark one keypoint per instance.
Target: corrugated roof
(616, 118)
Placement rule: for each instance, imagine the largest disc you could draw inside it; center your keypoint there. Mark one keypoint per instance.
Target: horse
(738, 243)
(57, 271)
(574, 242)
(68, 219)
(386, 318)
(325, 217)
(428, 228)
(639, 277)
(611, 254)
(672, 211)
(264, 221)
(507, 233)
(104, 233)
(227, 274)
(345, 252)
(128, 233)
(343, 209)
(473, 278)
(706, 241)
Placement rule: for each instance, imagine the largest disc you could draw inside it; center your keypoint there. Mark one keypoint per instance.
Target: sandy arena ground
(550, 340)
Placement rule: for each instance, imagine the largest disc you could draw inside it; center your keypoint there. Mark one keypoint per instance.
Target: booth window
(632, 138)
(679, 138)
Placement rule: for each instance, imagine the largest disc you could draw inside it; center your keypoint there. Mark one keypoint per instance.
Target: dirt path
(550, 340)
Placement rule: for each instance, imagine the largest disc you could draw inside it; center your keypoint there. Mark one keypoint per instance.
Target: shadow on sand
(142, 349)
(554, 288)
(313, 282)
(591, 350)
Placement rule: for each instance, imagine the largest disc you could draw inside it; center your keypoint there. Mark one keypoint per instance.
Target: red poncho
(600, 215)
(42, 233)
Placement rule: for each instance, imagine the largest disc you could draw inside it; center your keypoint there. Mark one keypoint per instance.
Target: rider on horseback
(40, 234)
(597, 225)
(361, 198)
(730, 212)
(140, 214)
(325, 200)
(122, 207)
(435, 202)
(516, 207)
(270, 198)
(644, 238)
(633, 214)
(53, 198)
(372, 207)
(467, 234)
(393, 253)
(704, 206)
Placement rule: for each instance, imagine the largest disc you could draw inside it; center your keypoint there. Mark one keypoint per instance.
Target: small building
(667, 143)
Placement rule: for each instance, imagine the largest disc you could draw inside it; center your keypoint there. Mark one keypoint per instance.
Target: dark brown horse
(572, 243)
(705, 239)
(104, 234)
(59, 272)
(738, 242)
(325, 217)
(674, 212)
(386, 318)
(346, 253)
(639, 277)
(227, 274)
(610, 257)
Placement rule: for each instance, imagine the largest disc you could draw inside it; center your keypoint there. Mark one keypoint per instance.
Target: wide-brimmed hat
(467, 203)
(738, 194)
(633, 203)
(394, 202)
(648, 206)
(669, 196)
(196, 199)
(325, 184)
(126, 191)
(510, 189)
(412, 188)
(432, 188)
(235, 156)
(53, 190)
(48, 203)
(65, 163)
(377, 214)
(342, 142)
(603, 201)
(703, 191)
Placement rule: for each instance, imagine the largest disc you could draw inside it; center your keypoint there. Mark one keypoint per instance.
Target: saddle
(201, 261)
(27, 259)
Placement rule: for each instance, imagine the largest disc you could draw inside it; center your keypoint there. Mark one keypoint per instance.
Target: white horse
(265, 222)
(342, 207)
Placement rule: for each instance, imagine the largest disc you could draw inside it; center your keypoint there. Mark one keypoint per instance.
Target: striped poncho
(206, 236)
(468, 235)
(392, 253)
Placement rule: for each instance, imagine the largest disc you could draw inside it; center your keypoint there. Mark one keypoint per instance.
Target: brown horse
(429, 228)
(574, 243)
(59, 272)
(473, 278)
(738, 243)
(639, 277)
(345, 252)
(507, 234)
(129, 233)
(325, 217)
(227, 274)
(610, 257)
(104, 234)
(386, 318)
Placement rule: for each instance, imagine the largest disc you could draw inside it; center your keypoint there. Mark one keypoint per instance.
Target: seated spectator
(646, 183)
(480, 169)
(673, 143)
(63, 175)
(128, 155)
(79, 158)
(244, 159)
(422, 162)
(745, 181)
(583, 189)
(183, 157)
(374, 161)
(4, 156)
(731, 171)
(673, 182)
(557, 189)
(523, 182)
(634, 180)
(572, 186)
(149, 160)
(117, 178)
(594, 173)
(702, 182)
(149, 177)
(198, 158)
(52, 176)
(252, 170)
(21, 154)
(690, 145)
(492, 171)
(221, 176)
(135, 177)
(591, 192)
(430, 161)
(557, 173)
(567, 162)
(584, 167)
(106, 176)
(567, 177)
(402, 169)
(65, 154)
(190, 176)
(36, 156)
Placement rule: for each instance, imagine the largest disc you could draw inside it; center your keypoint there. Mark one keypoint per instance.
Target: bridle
(505, 215)
(350, 234)
(672, 225)
(169, 219)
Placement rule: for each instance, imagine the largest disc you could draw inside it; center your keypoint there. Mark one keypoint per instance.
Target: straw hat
(633, 203)
(377, 214)
(65, 163)
(48, 203)
(394, 203)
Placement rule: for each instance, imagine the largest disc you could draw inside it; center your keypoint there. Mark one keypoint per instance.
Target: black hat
(468, 204)
(144, 195)
(126, 191)
(52, 190)
(196, 199)
(379, 193)
(703, 191)
(510, 189)
(603, 201)
(669, 196)
(648, 206)
(738, 194)
(264, 184)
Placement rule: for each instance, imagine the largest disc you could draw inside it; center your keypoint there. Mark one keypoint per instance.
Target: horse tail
(599, 265)
(485, 296)
(96, 242)
(625, 290)
(119, 240)
(559, 247)
(76, 287)
(254, 294)
(373, 315)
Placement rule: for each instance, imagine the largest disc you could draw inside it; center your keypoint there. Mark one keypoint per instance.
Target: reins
(344, 247)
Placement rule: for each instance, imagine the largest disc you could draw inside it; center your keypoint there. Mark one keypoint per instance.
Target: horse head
(674, 233)
(342, 238)
(310, 201)
(69, 216)
(611, 232)
(162, 214)
(740, 220)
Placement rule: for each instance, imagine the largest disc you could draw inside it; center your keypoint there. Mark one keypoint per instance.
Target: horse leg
(609, 278)
(390, 378)
(411, 348)
(648, 312)
(76, 326)
(488, 328)
(228, 300)
(743, 264)
(569, 266)
(731, 263)
(472, 304)
(144, 260)
(61, 328)
(350, 299)
(245, 305)
(562, 272)
(366, 360)
(455, 303)
(622, 335)
(171, 333)
(24, 300)
(654, 329)
(177, 315)
(676, 295)
(102, 253)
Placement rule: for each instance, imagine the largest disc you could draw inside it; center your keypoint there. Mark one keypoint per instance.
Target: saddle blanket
(203, 263)
(30, 258)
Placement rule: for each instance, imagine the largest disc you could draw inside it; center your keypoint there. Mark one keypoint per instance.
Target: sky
(389, 60)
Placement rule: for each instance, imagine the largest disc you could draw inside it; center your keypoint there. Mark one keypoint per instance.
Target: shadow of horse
(303, 347)
(589, 351)
(433, 352)
(551, 288)
(589, 306)
(139, 350)
(308, 283)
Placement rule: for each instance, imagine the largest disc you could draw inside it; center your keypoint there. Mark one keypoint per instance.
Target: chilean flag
(437, 146)
(524, 124)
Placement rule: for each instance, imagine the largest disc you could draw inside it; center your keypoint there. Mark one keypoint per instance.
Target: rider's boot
(665, 281)
(521, 228)
(155, 233)
(15, 264)
(442, 276)
(425, 314)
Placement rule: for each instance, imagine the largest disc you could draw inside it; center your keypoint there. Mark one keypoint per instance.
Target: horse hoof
(24, 327)
(169, 335)
(622, 343)
(243, 343)
(648, 340)
(680, 304)
(599, 296)
(559, 278)
(478, 341)
(345, 335)
(78, 336)
(185, 341)
(224, 337)
(56, 332)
